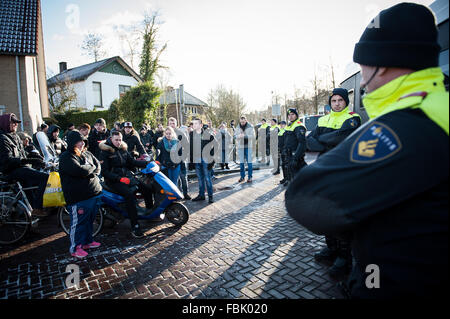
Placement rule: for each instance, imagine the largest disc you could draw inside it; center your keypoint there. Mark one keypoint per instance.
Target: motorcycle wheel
(177, 214)
(64, 220)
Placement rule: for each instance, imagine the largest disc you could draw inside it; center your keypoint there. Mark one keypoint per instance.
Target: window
(97, 87)
(351, 97)
(123, 89)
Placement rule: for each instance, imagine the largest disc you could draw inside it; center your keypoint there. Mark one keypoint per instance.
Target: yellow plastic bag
(53, 195)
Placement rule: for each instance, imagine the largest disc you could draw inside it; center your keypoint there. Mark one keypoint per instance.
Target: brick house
(174, 105)
(23, 86)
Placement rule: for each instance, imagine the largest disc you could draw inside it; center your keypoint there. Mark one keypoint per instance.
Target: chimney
(62, 67)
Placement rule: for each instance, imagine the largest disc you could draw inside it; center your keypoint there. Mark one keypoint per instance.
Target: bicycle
(15, 211)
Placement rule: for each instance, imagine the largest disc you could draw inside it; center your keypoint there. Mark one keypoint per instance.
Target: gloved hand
(33, 161)
(125, 180)
(293, 164)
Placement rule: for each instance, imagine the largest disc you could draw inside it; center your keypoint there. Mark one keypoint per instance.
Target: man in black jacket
(14, 162)
(199, 139)
(294, 145)
(79, 171)
(385, 187)
(116, 166)
(331, 130)
(97, 135)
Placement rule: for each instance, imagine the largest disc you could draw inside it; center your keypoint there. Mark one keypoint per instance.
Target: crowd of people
(367, 192)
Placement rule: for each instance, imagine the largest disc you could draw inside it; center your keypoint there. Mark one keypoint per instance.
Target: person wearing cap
(281, 155)
(14, 162)
(385, 187)
(272, 143)
(131, 138)
(331, 130)
(79, 170)
(294, 145)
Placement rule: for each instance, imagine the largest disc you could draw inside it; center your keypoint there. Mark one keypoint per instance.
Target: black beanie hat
(292, 110)
(404, 35)
(73, 138)
(342, 93)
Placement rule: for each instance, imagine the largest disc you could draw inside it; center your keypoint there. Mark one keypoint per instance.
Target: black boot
(340, 269)
(198, 198)
(226, 166)
(326, 256)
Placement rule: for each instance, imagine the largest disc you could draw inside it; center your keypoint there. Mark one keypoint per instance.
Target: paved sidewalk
(242, 246)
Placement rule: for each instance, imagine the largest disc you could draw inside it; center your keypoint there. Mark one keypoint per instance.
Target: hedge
(77, 118)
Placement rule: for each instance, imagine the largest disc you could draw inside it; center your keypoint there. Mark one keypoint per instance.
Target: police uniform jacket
(295, 140)
(332, 129)
(386, 188)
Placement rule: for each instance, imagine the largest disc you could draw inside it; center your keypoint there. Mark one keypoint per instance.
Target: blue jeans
(173, 174)
(245, 155)
(204, 176)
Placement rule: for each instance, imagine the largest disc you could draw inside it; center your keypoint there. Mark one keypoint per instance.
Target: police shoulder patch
(375, 143)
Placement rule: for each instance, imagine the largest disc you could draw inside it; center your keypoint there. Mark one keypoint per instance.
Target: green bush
(77, 118)
(138, 105)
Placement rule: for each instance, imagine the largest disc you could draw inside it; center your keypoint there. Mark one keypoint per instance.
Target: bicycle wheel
(177, 214)
(64, 220)
(15, 220)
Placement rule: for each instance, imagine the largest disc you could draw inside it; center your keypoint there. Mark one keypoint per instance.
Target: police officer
(332, 129)
(386, 186)
(294, 145)
(281, 157)
(263, 138)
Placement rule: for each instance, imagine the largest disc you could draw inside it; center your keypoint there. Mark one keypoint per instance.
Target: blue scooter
(113, 211)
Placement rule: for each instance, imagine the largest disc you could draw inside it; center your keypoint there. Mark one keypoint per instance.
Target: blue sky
(254, 47)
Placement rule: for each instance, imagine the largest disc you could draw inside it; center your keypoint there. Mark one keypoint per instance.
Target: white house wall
(32, 87)
(80, 91)
(110, 87)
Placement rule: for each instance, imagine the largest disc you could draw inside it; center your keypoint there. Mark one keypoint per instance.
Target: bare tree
(333, 82)
(130, 40)
(224, 105)
(92, 46)
(61, 95)
(151, 54)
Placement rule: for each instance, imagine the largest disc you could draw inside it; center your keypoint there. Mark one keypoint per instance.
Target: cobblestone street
(242, 246)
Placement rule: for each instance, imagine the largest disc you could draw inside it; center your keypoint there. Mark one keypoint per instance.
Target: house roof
(19, 21)
(82, 72)
(168, 97)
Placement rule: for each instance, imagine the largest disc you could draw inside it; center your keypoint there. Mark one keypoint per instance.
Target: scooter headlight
(155, 169)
